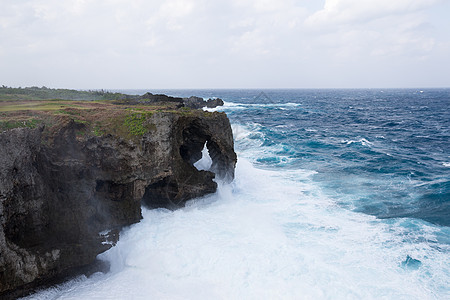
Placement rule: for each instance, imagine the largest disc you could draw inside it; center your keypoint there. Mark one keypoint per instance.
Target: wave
(361, 141)
(239, 106)
(270, 234)
(252, 139)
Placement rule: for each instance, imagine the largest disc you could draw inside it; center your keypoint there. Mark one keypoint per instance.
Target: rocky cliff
(65, 194)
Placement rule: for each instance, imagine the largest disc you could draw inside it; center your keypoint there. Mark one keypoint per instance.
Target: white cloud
(244, 43)
(337, 12)
(364, 29)
(174, 13)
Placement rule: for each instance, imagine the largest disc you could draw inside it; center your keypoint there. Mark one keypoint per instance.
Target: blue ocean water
(380, 152)
(339, 194)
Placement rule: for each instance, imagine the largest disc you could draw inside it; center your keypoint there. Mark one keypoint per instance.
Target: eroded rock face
(64, 199)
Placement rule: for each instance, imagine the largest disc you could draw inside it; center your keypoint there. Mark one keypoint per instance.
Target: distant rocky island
(76, 166)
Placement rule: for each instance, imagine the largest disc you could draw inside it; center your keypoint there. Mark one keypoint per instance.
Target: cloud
(337, 12)
(200, 43)
(364, 29)
(174, 13)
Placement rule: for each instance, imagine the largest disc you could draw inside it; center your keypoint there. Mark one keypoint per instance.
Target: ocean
(338, 194)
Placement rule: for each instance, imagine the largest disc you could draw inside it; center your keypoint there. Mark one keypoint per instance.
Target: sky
(162, 44)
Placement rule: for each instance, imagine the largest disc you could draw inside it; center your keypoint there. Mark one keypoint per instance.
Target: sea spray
(268, 235)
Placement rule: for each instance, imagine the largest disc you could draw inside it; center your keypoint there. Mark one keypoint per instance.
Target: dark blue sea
(339, 194)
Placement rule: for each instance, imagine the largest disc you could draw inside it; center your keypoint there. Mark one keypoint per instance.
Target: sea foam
(269, 234)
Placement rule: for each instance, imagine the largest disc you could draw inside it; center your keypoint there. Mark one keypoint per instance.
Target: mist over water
(329, 202)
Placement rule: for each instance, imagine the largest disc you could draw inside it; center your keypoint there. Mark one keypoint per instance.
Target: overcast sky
(113, 44)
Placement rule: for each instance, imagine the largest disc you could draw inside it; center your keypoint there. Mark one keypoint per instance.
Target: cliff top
(100, 112)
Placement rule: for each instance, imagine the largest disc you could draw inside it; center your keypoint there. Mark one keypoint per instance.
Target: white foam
(205, 162)
(361, 141)
(437, 181)
(240, 106)
(269, 235)
(446, 164)
(105, 234)
(248, 136)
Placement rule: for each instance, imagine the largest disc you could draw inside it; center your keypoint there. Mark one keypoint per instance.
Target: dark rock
(151, 98)
(191, 102)
(63, 198)
(194, 102)
(197, 102)
(212, 103)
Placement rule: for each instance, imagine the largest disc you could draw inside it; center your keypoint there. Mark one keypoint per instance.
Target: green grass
(36, 105)
(97, 130)
(136, 123)
(43, 93)
(31, 123)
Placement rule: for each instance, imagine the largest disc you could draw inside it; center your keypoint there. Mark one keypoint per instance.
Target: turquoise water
(339, 194)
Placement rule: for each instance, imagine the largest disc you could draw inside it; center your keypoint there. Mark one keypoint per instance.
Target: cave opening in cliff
(161, 194)
(200, 150)
(195, 149)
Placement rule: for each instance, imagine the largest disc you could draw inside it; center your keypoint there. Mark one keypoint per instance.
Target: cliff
(75, 176)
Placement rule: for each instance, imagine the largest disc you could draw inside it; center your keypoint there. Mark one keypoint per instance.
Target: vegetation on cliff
(44, 93)
(101, 112)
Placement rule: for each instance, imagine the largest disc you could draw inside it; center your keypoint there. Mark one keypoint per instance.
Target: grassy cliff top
(44, 93)
(97, 112)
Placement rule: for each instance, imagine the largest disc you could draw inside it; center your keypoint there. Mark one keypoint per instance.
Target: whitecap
(362, 141)
(239, 106)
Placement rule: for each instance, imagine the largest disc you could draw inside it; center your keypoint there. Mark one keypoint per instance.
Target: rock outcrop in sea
(65, 195)
(190, 102)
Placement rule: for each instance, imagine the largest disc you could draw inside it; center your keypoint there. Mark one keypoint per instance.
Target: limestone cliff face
(64, 198)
